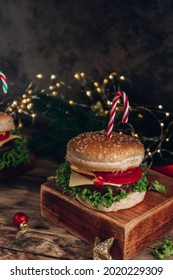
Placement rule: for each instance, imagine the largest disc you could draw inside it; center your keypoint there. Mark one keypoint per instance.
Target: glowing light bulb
(10, 109)
(71, 102)
(53, 77)
(111, 77)
(39, 76)
(140, 116)
(30, 91)
(109, 103)
(20, 111)
(54, 93)
(167, 114)
(160, 107)
(98, 89)
(122, 78)
(22, 106)
(105, 81)
(24, 101)
(134, 134)
(82, 75)
(29, 106)
(28, 100)
(20, 125)
(162, 124)
(77, 76)
(96, 84)
(88, 93)
(58, 85)
(14, 103)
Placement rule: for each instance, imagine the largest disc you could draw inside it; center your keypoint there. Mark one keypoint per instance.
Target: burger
(13, 147)
(102, 173)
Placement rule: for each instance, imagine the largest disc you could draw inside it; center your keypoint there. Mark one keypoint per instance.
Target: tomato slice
(5, 135)
(120, 177)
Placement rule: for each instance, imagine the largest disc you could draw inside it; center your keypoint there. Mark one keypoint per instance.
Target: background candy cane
(4, 82)
(113, 111)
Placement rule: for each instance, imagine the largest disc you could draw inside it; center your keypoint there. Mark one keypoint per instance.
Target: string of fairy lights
(100, 95)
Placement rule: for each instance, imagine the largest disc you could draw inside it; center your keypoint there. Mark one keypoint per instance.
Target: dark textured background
(131, 37)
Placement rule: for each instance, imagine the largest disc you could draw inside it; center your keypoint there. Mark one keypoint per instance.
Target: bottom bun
(125, 203)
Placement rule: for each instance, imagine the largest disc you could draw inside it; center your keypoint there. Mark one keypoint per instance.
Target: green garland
(58, 122)
(19, 154)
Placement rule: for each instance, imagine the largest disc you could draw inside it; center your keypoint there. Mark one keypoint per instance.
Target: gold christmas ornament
(23, 226)
(101, 249)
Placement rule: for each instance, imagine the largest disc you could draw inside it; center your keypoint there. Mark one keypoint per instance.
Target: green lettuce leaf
(164, 249)
(19, 154)
(143, 183)
(156, 186)
(63, 176)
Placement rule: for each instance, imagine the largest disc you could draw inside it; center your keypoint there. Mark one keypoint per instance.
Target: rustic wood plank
(57, 246)
(42, 238)
(12, 172)
(6, 254)
(44, 168)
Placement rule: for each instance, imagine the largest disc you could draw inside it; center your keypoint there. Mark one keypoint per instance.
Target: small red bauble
(20, 219)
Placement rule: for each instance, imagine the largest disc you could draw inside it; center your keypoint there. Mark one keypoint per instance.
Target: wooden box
(133, 229)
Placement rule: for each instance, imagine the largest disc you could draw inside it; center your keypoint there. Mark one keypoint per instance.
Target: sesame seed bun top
(6, 122)
(94, 151)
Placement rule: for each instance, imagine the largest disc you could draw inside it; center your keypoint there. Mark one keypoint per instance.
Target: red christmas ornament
(20, 219)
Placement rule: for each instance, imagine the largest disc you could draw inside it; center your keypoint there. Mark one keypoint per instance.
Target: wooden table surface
(43, 240)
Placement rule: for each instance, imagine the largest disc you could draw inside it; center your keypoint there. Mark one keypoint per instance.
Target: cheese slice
(76, 169)
(11, 137)
(77, 179)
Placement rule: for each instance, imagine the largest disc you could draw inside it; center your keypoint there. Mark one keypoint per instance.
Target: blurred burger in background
(13, 147)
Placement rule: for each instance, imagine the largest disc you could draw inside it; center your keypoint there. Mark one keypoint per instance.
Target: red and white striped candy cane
(113, 111)
(4, 82)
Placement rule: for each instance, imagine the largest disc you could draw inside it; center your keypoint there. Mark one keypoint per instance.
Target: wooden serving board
(133, 229)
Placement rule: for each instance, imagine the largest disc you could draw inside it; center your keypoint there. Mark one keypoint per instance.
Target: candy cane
(4, 82)
(113, 111)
